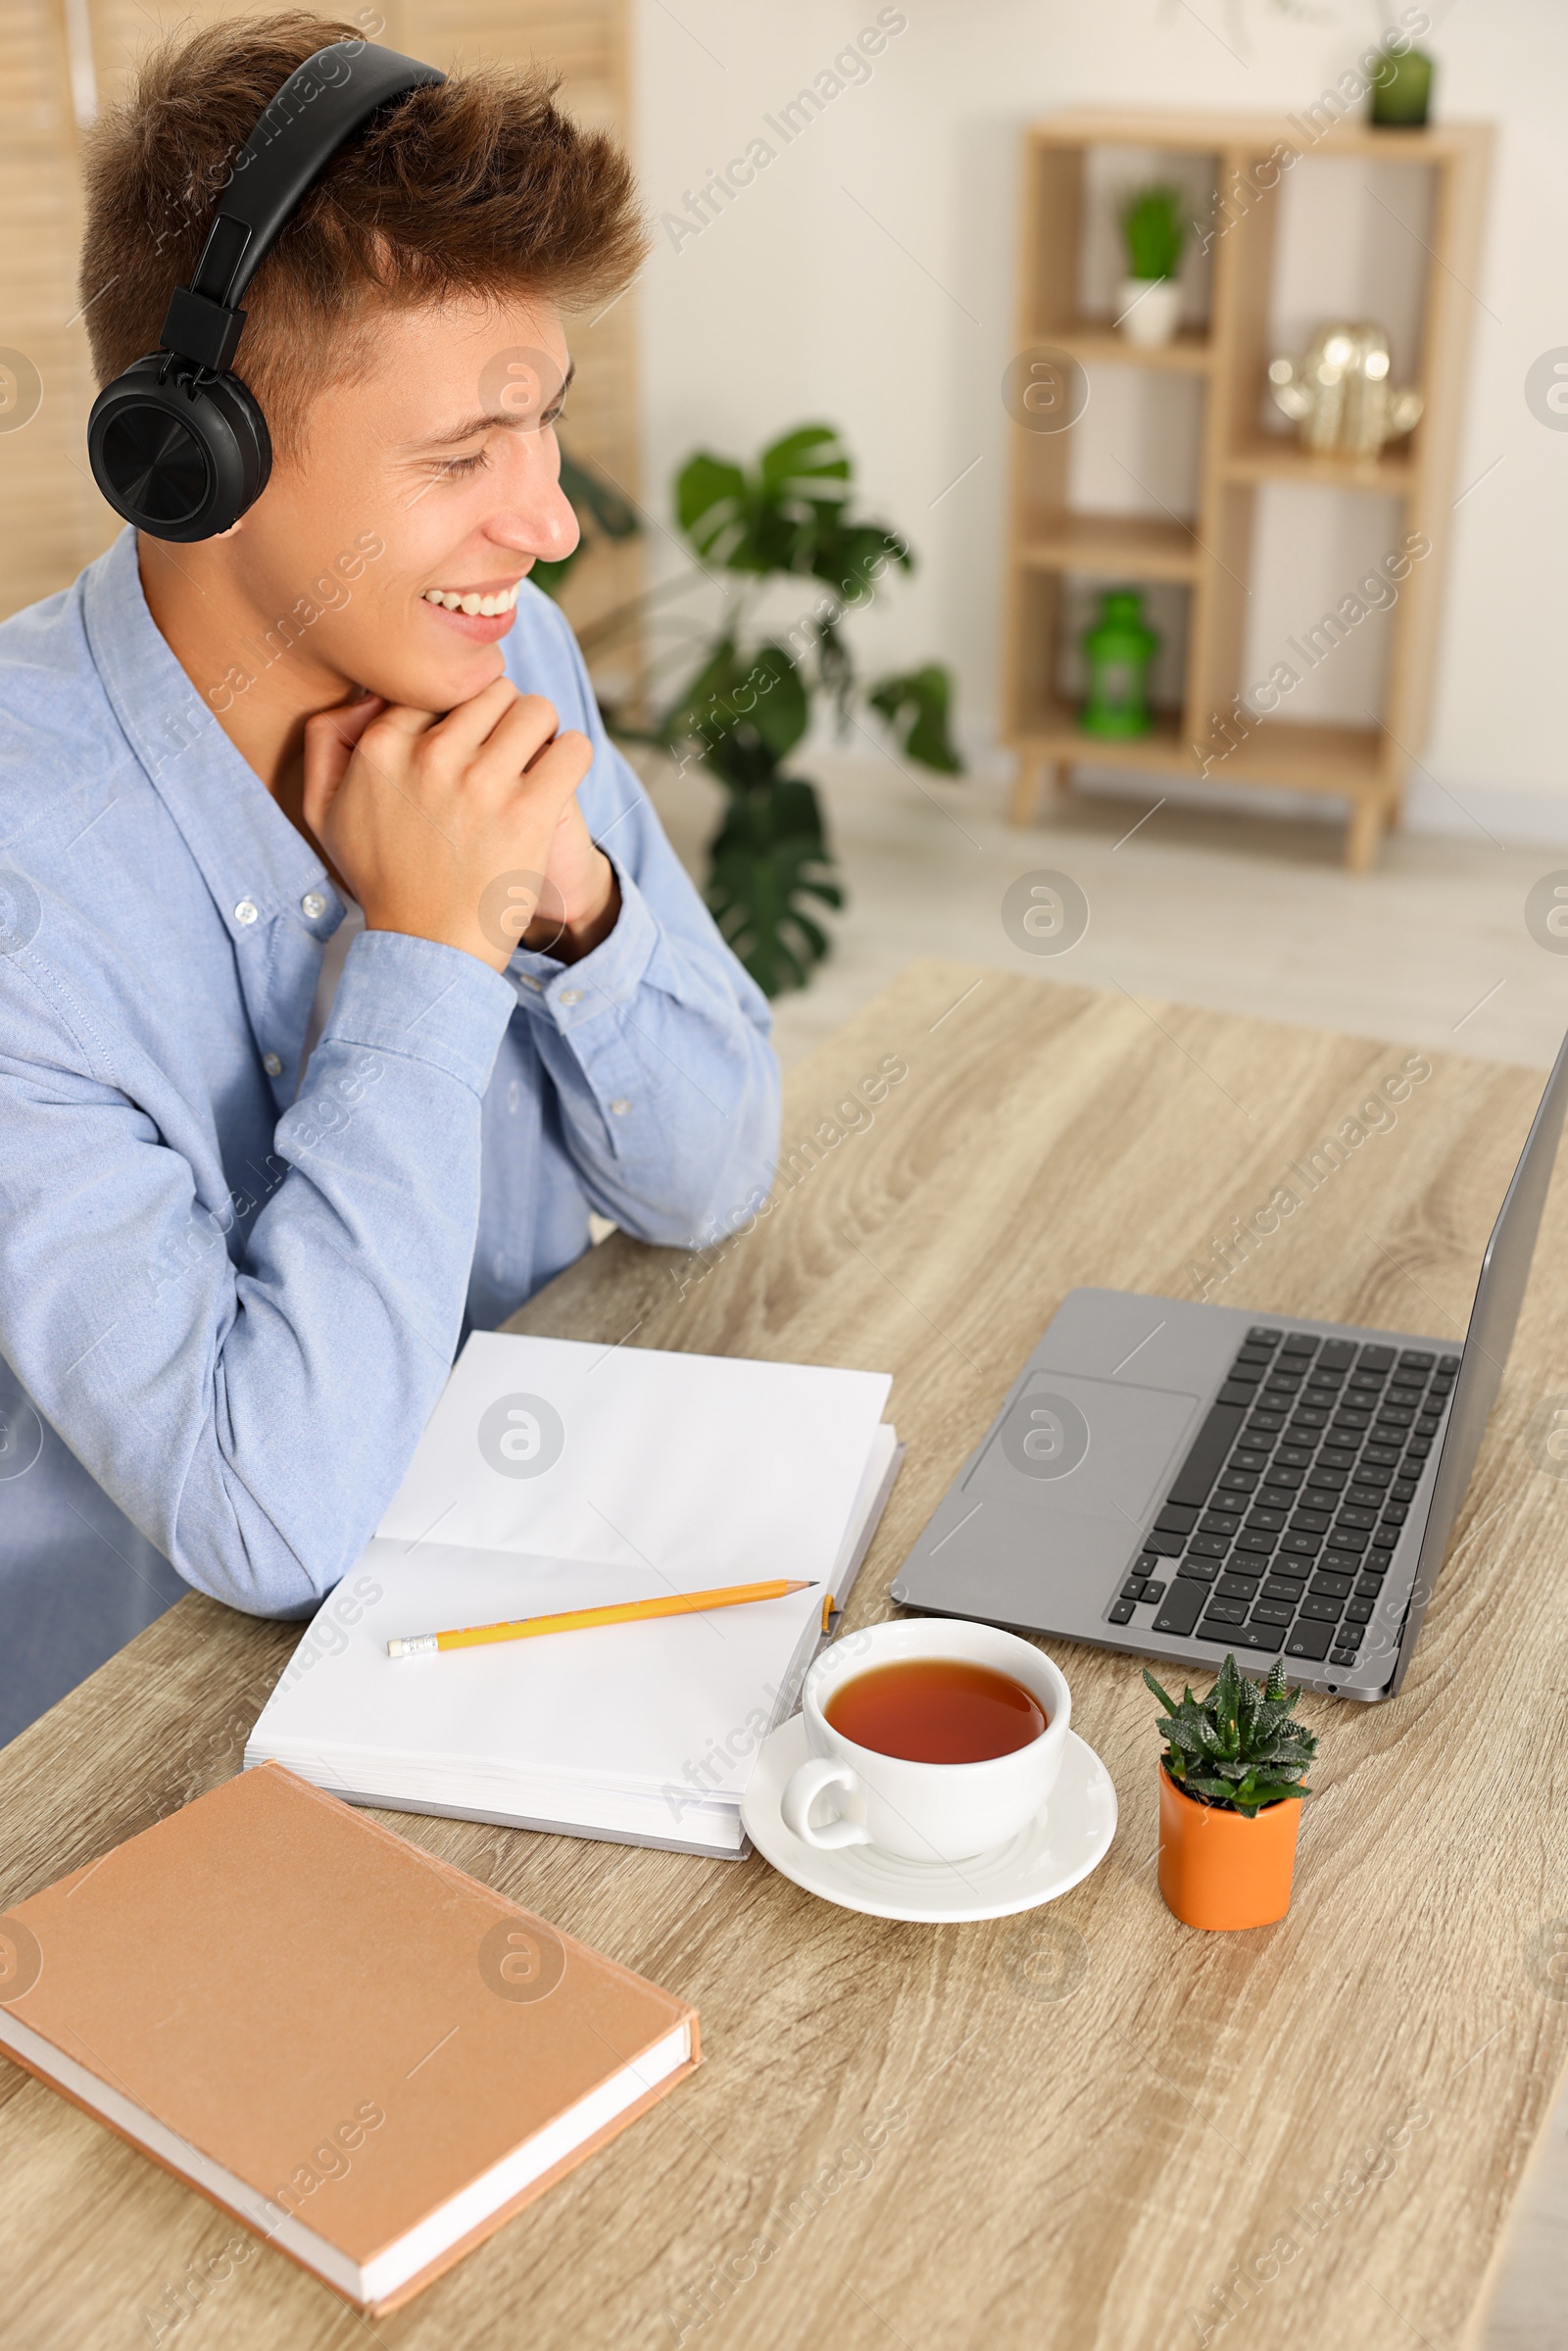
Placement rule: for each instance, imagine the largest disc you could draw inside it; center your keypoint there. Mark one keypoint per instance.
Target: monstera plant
(745, 703)
(746, 706)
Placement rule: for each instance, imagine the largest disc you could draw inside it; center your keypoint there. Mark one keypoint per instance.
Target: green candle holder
(1401, 94)
(1118, 651)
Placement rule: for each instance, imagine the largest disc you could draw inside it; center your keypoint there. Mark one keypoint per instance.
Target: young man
(253, 1191)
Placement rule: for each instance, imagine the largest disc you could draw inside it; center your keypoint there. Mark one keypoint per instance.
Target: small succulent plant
(1236, 1749)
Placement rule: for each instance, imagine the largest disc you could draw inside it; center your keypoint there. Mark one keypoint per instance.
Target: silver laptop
(1178, 1480)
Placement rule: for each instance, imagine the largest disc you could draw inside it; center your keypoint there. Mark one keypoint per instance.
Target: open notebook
(555, 1474)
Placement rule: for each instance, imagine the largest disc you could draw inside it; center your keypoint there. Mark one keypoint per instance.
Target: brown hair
(481, 186)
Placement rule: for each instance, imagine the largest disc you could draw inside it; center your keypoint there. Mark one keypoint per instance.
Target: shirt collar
(253, 860)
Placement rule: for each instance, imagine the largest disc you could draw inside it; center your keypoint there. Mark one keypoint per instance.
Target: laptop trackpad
(1092, 1448)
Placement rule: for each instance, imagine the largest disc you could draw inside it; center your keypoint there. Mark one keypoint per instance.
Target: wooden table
(1074, 2129)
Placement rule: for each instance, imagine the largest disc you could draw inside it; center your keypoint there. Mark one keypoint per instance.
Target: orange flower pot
(1219, 1869)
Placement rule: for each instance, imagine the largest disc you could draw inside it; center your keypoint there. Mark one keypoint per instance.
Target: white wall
(866, 279)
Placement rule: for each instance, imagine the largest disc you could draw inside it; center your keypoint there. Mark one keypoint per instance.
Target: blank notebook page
(674, 1473)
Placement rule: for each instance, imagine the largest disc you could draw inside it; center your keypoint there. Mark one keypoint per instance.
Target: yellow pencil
(579, 1620)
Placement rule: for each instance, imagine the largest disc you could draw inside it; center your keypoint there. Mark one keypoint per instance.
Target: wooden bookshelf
(1116, 546)
(1188, 353)
(1212, 554)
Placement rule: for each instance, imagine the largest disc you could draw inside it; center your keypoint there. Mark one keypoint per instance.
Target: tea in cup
(933, 1738)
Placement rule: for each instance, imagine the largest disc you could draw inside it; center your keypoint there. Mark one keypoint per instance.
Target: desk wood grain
(1085, 2128)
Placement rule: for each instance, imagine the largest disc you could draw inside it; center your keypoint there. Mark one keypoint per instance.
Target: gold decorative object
(1339, 395)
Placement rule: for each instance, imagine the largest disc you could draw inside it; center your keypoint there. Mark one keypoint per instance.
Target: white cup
(939, 1812)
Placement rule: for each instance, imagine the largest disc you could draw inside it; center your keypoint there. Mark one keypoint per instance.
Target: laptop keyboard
(1277, 1532)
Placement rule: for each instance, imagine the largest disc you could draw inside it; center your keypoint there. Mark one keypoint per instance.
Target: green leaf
(1167, 1702)
(706, 691)
(1220, 1789)
(747, 715)
(1227, 1688)
(773, 519)
(783, 711)
(769, 858)
(1153, 231)
(917, 701)
(847, 558)
(1187, 1736)
(710, 504)
(809, 461)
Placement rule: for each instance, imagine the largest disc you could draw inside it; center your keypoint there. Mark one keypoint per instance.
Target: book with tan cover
(368, 2057)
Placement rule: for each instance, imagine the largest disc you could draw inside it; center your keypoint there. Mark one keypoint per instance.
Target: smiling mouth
(469, 600)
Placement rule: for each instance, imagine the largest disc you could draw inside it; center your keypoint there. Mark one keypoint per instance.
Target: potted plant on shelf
(1230, 1782)
(1153, 233)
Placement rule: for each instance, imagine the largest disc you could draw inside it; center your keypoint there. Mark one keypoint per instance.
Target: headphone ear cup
(178, 453)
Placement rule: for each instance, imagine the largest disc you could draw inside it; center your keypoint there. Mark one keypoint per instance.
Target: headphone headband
(322, 103)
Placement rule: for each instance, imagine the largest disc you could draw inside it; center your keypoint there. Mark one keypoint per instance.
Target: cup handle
(801, 1789)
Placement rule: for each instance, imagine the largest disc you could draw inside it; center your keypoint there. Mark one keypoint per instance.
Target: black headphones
(177, 444)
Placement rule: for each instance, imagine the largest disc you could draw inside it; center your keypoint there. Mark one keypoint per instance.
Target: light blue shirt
(227, 1312)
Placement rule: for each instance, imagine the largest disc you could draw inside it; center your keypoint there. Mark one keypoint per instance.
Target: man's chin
(423, 683)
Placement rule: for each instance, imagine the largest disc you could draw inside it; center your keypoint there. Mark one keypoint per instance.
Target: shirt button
(570, 995)
(273, 1066)
(620, 1108)
(313, 905)
(246, 911)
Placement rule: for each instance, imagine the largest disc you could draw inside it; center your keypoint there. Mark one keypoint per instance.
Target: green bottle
(1118, 651)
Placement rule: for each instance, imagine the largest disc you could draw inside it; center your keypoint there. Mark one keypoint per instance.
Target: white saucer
(1042, 1861)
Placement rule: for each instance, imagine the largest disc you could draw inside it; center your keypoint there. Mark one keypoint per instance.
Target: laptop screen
(1500, 1292)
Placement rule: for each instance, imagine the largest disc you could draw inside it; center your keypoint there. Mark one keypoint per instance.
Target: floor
(1244, 914)
(1250, 913)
